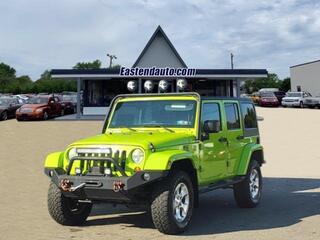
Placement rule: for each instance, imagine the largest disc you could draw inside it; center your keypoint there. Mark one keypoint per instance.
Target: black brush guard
(96, 185)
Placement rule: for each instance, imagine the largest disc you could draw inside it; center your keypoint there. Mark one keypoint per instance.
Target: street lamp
(111, 58)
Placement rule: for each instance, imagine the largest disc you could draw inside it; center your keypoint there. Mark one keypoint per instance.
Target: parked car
(40, 107)
(8, 107)
(69, 103)
(255, 97)
(279, 95)
(160, 151)
(268, 99)
(295, 99)
(312, 102)
(268, 90)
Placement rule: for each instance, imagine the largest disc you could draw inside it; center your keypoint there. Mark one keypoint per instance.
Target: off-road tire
(60, 211)
(162, 204)
(241, 190)
(4, 116)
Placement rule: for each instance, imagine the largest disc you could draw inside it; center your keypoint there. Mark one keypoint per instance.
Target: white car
(295, 99)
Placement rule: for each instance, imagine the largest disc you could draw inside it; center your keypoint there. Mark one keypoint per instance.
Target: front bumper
(29, 116)
(290, 104)
(102, 187)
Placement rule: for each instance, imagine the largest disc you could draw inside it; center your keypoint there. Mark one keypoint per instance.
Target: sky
(36, 35)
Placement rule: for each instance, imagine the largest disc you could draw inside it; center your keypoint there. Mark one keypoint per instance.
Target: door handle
(223, 139)
(240, 137)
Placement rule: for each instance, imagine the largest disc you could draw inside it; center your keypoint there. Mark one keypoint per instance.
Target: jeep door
(213, 153)
(234, 133)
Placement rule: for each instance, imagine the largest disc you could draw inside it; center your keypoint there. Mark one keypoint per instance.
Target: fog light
(137, 169)
(78, 171)
(146, 176)
(107, 171)
(50, 173)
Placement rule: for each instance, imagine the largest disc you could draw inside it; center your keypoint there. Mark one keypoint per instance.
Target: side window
(248, 115)
(210, 111)
(232, 115)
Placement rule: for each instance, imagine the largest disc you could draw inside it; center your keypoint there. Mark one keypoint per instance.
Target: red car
(268, 99)
(40, 107)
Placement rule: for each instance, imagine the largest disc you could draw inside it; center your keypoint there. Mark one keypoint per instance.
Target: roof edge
(302, 64)
(159, 29)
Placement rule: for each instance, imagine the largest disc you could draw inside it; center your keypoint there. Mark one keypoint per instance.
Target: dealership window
(232, 115)
(249, 115)
(99, 93)
(210, 111)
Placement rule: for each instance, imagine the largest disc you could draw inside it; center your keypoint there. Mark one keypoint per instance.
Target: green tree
(272, 81)
(285, 84)
(88, 65)
(6, 70)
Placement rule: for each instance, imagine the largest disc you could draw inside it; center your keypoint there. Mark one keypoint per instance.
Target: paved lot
(289, 210)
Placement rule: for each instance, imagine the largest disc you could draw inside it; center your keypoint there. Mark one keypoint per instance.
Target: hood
(34, 105)
(141, 139)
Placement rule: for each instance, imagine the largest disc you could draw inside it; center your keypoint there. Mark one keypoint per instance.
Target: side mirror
(211, 126)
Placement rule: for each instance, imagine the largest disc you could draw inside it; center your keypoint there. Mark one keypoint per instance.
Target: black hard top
(201, 98)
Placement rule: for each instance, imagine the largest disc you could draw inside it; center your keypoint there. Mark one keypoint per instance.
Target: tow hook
(66, 186)
(117, 186)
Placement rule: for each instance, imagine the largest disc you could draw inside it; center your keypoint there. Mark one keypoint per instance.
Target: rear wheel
(247, 193)
(172, 204)
(66, 211)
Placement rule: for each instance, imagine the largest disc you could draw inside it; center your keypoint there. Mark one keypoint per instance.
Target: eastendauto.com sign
(155, 72)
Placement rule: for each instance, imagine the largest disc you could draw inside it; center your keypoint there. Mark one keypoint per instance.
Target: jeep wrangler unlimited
(161, 151)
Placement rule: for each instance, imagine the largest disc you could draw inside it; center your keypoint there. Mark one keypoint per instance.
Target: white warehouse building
(306, 77)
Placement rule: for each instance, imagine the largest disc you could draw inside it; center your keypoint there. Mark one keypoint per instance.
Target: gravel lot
(289, 210)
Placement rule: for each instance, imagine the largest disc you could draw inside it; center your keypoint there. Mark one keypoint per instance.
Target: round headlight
(72, 153)
(39, 110)
(137, 155)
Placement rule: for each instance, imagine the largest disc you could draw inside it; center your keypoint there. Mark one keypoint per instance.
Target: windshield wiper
(131, 129)
(158, 126)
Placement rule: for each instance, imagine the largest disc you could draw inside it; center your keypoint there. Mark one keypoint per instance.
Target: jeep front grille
(102, 158)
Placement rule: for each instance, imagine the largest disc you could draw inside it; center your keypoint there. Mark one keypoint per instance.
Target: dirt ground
(289, 209)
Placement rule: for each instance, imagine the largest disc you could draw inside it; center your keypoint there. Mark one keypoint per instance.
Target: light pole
(231, 58)
(111, 58)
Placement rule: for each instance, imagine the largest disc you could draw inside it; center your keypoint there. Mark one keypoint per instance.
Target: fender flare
(164, 159)
(54, 160)
(248, 152)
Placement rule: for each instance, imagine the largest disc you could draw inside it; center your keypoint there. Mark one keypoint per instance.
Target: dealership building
(306, 77)
(159, 60)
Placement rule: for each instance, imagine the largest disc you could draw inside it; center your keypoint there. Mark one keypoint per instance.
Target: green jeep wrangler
(160, 151)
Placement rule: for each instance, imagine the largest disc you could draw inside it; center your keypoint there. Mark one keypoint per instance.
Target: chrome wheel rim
(45, 115)
(254, 184)
(181, 201)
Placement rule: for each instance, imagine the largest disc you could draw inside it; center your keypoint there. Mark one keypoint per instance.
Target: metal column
(78, 98)
(238, 87)
(140, 85)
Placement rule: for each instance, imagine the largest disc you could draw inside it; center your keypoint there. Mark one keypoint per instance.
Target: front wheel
(66, 211)
(247, 193)
(4, 116)
(172, 204)
(45, 115)
(301, 105)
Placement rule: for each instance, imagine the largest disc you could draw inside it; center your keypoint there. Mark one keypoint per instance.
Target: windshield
(267, 94)
(69, 98)
(294, 94)
(37, 100)
(4, 101)
(155, 113)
